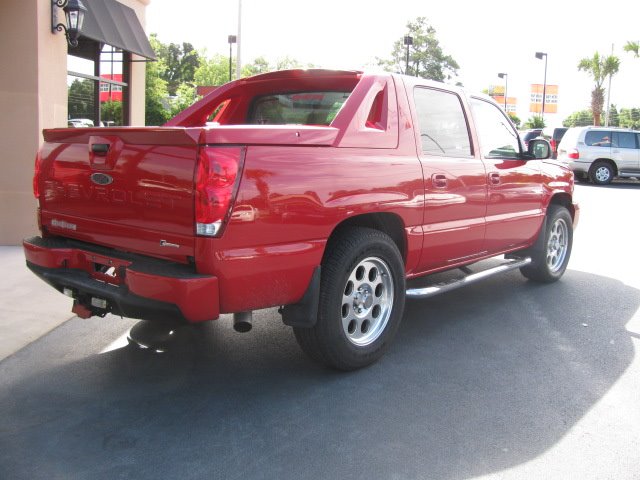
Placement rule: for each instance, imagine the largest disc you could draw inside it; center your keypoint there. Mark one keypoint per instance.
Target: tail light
(554, 145)
(36, 177)
(574, 154)
(217, 178)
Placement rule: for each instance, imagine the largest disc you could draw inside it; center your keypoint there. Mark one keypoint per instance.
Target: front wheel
(549, 263)
(361, 300)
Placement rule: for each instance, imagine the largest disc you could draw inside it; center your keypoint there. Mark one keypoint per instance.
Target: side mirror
(539, 148)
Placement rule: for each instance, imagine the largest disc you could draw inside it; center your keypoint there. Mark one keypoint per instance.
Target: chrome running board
(443, 287)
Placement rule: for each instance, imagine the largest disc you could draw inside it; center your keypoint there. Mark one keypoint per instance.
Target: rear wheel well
(388, 223)
(607, 161)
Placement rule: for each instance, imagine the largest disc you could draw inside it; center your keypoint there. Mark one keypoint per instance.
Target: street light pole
(408, 41)
(504, 75)
(239, 40)
(539, 56)
(232, 39)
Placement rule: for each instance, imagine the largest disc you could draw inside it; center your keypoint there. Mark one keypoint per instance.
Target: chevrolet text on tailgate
(333, 195)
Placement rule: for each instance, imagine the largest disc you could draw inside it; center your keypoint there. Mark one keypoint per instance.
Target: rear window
(300, 108)
(570, 138)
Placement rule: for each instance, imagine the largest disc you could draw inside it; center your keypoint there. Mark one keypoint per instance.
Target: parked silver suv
(601, 153)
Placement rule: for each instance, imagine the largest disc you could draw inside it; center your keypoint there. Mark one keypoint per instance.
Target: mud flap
(304, 313)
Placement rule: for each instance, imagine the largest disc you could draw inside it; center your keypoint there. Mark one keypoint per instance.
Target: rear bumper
(581, 168)
(133, 285)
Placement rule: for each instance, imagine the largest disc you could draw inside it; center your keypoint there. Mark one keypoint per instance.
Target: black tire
(362, 294)
(549, 263)
(601, 173)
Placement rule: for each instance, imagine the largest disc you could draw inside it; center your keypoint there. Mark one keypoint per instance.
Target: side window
(598, 138)
(443, 126)
(496, 135)
(624, 140)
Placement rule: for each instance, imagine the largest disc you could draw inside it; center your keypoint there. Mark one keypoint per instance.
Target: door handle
(494, 178)
(104, 151)
(439, 180)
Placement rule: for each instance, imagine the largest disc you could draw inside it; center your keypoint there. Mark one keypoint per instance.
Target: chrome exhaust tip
(242, 321)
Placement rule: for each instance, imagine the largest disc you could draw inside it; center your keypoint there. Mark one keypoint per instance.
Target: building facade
(45, 83)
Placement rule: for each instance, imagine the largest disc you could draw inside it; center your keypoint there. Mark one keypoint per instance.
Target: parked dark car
(553, 136)
(529, 135)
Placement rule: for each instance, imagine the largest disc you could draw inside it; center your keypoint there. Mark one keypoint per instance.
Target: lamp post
(74, 11)
(239, 42)
(539, 56)
(408, 41)
(504, 75)
(232, 40)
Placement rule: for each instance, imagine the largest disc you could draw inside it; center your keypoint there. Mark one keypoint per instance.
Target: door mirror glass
(539, 148)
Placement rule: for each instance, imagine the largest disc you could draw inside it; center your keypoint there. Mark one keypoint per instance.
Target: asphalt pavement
(505, 379)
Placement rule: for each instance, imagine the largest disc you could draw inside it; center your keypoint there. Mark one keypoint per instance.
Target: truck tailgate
(127, 188)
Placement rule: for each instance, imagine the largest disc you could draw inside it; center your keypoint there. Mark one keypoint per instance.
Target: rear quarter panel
(289, 202)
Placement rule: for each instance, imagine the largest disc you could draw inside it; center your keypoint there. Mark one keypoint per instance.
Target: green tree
(287, 63)
(189, 63)
(426, 58)
(212, 71)
(184, 97)
(633, 47)
(259, 65)
(81, 99)
(535, 121)
(180, 62)
(614, 116)
(579, 119)
(111, 111)
(515, 119)
(629, 118)
(156, 92)
(599, 68)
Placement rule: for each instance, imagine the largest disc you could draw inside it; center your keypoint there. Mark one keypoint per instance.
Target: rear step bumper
(432, 290)
(105, 281)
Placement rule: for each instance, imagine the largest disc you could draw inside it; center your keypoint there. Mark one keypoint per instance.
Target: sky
(485, 38)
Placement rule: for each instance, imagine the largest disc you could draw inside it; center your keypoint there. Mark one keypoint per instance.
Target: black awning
(108, 21)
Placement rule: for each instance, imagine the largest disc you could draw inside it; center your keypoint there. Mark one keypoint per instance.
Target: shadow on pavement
(620, 184)
(477, 381)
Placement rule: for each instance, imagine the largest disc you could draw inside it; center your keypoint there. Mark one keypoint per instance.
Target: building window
(98, 85)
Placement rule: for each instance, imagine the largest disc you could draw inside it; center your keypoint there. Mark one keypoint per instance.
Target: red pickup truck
(321, 192)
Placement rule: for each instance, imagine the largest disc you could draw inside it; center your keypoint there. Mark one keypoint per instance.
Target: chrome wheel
(362, 293)
(558, 245)
(603, 174)
(367, 301)
(549, 261)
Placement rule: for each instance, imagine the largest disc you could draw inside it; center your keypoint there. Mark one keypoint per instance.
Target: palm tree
(633, 47)
(599, 68)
